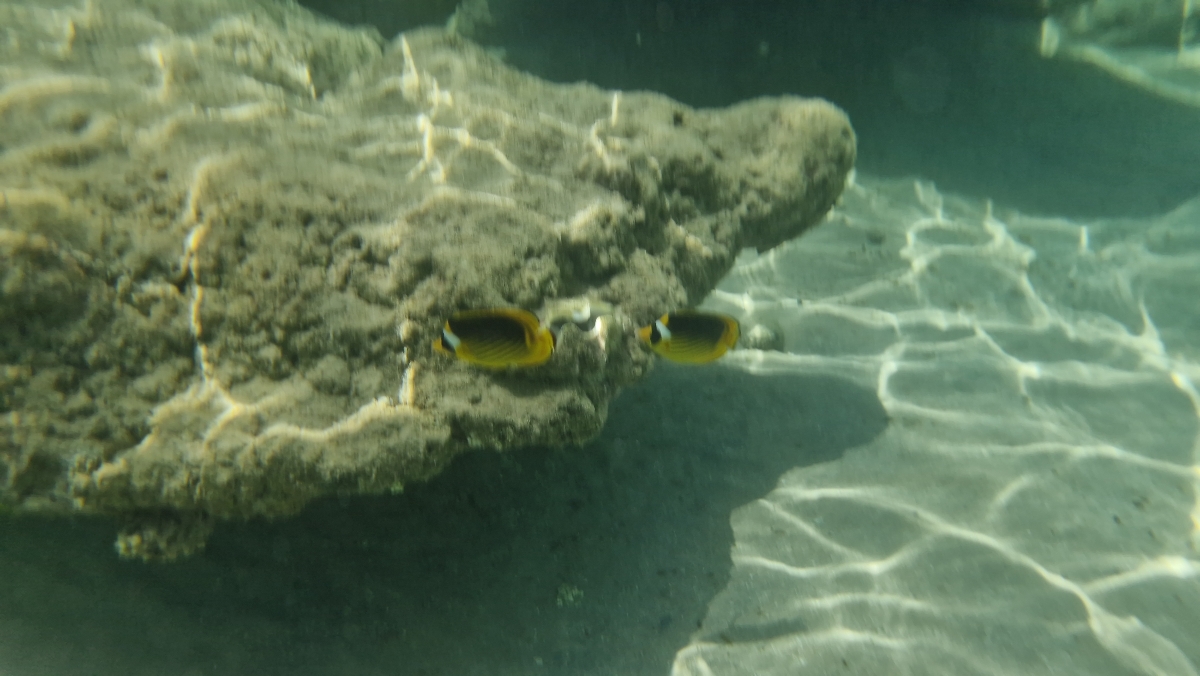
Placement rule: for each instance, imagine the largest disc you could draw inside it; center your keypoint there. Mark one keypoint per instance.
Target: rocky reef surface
(230, 232)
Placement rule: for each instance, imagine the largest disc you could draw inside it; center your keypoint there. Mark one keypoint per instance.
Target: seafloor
(976, 454)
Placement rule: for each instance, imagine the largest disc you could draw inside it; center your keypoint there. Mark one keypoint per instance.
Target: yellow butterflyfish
(496, 338)
(690, 336)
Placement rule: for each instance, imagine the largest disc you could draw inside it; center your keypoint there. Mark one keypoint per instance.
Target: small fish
(496, 338)
(691, 337)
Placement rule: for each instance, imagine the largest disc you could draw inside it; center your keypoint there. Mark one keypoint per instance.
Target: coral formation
(231, 231)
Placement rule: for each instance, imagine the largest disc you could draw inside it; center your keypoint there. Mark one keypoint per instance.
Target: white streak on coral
(408, 386)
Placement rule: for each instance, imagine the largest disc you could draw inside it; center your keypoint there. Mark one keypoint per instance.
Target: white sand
(1032, 506)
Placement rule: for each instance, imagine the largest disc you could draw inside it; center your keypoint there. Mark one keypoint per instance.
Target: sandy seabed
(975, 454)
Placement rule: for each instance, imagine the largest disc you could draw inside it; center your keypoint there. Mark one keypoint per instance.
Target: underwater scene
(604, 337)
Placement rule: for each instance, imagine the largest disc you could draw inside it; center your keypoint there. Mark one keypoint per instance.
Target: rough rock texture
(230, 232)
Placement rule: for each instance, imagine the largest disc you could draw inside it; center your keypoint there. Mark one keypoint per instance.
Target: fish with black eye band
(691, 337)
(498, 338)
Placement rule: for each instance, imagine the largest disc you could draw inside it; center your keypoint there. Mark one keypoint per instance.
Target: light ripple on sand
(1049, 496)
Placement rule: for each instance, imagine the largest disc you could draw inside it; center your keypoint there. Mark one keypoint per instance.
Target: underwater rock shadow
(600, 559)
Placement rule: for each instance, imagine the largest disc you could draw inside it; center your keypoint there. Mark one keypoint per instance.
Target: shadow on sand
(594, 560)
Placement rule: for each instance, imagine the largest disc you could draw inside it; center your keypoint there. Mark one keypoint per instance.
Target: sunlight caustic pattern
(1032, 507)
(257, 84)
(257, 222)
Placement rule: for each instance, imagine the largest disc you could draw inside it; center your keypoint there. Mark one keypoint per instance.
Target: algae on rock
(231, 231)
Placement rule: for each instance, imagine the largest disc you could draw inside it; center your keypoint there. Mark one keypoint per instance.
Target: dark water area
(954, 92)
(599, 559)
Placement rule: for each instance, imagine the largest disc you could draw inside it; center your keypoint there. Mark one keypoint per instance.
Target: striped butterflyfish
(691, 337)
(496, 338)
